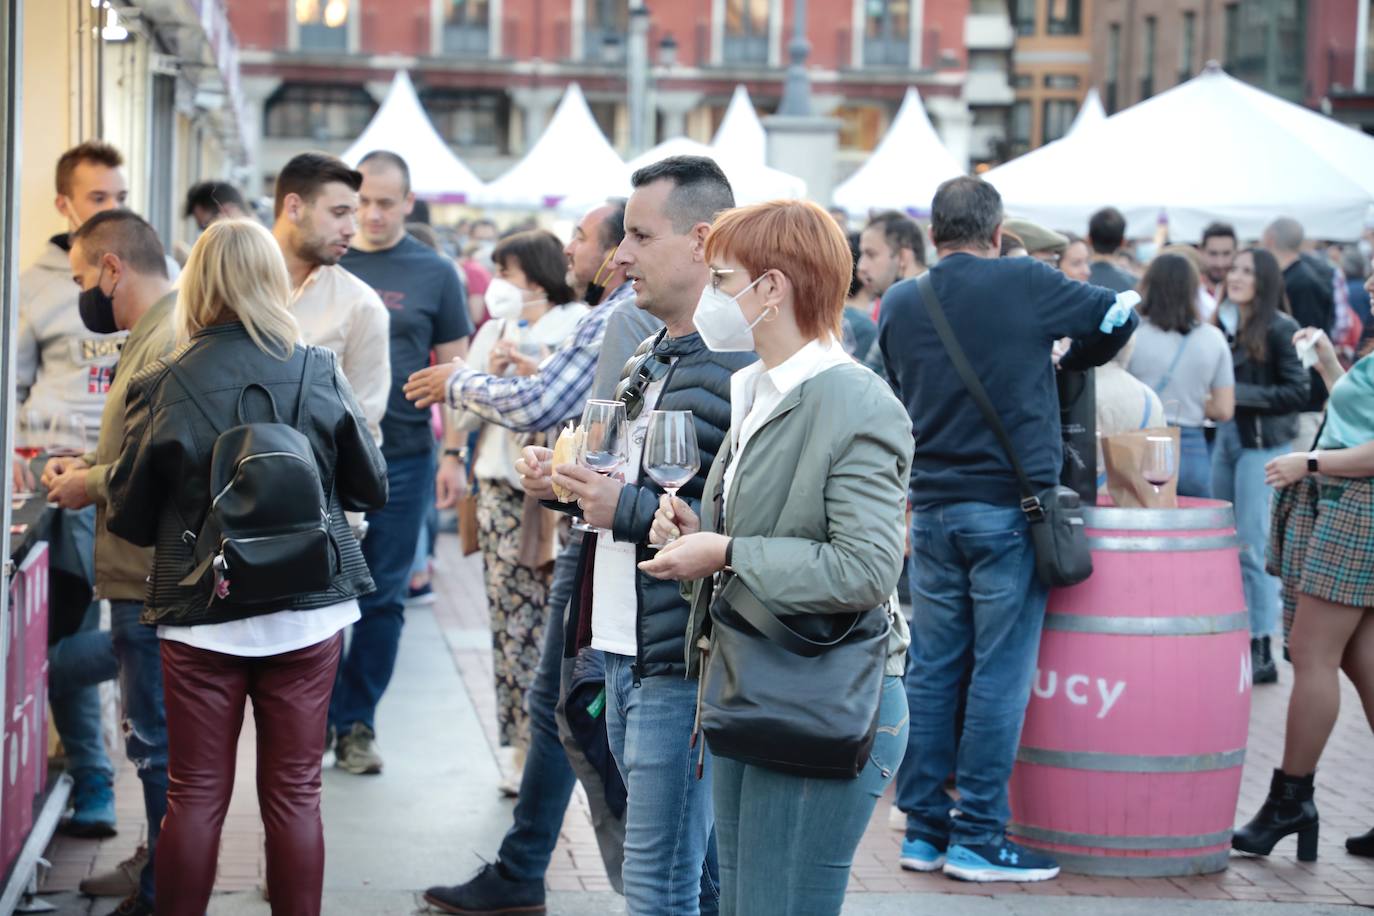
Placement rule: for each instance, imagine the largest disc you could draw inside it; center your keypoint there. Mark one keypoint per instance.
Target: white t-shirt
(615, 596)
(270, 634)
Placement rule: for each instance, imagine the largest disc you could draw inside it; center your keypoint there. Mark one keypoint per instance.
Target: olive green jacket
(817, 505)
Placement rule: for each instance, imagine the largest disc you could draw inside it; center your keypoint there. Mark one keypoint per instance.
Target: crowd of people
(730, 666)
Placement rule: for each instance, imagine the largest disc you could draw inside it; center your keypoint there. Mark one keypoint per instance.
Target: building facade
(1306, 51)
(490, 72)
(1052, 68)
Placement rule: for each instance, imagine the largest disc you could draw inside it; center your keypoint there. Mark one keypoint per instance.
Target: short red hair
(800, 240)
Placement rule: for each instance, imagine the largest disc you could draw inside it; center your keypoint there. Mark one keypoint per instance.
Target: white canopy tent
(1091, 112)
(905, 169)
(1213, 148)
(751, 183)
(401, 126)
(741, 136)
(571, 158)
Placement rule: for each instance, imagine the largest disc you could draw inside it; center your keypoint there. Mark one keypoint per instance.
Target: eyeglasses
(718, 272)
(649, 368)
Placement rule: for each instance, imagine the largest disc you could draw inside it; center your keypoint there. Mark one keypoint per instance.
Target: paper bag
(1124, 455)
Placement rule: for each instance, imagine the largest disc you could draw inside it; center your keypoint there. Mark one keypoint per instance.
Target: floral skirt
(517, 602)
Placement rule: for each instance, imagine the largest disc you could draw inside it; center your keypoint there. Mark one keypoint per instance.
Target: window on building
(746, 31)
(607, 115)
(1147, 57)
(1019, 137)
(608, 25)
(1187, 48)
(470, 118)
(1022, 81)
(1065, 17)
(1113, 66)
(862, 126)
(322, 25)
(887, 33)
(317, 111)
(1023, 12)
(467, 27)
(1056, 117)
(1290, 49)
(1061, 81)
(1231, 36)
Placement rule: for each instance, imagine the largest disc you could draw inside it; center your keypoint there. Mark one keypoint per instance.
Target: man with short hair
(555, 390)
(428, 313)
(119, 250)
(1313, 305)
(212, 200)
(1106, 235)
(980, 607)
(316, 217)
(891, 248)
(1218, 248)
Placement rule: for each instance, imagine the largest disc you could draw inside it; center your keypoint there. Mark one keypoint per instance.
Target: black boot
(1362, 845)
(493, 891)
(1288, 809)
(1262, 667)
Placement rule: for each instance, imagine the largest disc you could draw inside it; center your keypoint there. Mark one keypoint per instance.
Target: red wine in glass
(28, 452)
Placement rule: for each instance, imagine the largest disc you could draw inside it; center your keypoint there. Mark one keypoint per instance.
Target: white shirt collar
(808, 362)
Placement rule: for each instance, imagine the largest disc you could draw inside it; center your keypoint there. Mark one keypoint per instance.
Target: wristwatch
(1312, 461)
(460, 453)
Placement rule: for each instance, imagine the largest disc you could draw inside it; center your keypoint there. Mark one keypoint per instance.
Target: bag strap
(302, 398)
(1149, 410)
(192, 392)
(271, 401)
(1169, 373)
(1030, 503)
(766, 622)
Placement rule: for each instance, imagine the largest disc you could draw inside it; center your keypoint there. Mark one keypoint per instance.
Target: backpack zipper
(215, 502)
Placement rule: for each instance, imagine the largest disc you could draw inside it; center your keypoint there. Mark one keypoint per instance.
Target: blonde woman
(239, 351)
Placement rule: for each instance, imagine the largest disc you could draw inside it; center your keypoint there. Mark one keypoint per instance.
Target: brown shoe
(121, 881)
(357, 751)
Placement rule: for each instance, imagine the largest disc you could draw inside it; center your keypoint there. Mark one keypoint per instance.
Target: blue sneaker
(93, 809)
(1004, 861)
(920, 855)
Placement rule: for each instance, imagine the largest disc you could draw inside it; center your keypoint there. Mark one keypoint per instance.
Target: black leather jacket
(160, 487)
(1270, 394)
(699, 381)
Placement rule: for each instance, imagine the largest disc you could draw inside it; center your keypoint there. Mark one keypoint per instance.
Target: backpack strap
(302, 401)
(272, 402)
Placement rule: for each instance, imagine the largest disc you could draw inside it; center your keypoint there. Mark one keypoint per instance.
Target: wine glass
(605, 439)
(31, 435)
(671, 457)
(1159, 463)
(66, 435)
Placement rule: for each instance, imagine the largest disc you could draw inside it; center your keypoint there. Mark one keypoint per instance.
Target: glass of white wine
(605, 445)
(671, 456)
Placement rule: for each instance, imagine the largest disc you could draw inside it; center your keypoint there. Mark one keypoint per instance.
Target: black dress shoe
(1288, 809)
(1262, 667)
(1362, 845)
(491, 892)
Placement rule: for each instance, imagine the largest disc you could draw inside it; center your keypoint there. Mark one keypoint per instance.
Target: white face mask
(721, 323)
(504, 299)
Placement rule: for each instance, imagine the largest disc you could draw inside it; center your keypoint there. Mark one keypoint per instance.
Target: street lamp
(796, 91)
(637, 76)
(667, 52)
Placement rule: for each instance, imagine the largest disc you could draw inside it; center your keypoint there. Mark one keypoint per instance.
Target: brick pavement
(1345, 794)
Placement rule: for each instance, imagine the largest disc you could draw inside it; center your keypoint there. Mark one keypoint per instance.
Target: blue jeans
(547, 783)
(787, 842)
(976, 604)
(389, 549)
(1238, 478)
(145, 718)
(76, 667)
(1194, 463)
(670, 864)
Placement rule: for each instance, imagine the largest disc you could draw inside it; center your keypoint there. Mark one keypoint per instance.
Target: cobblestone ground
(1345, 794)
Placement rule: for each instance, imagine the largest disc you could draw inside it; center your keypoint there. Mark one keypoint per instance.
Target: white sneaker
(896, 819)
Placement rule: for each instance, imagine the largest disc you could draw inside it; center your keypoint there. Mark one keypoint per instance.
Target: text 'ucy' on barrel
(1130, 759)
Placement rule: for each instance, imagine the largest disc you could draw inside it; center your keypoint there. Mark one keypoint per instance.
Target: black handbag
(1055, 514)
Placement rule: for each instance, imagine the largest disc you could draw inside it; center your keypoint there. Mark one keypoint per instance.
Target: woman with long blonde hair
(239, 377)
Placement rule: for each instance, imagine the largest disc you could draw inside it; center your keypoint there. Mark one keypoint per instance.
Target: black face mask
(595, 290)
(97, 307)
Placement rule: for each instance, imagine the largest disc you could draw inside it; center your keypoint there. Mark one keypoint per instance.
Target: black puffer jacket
(1270, 394)
(699, 381)
(160, 486)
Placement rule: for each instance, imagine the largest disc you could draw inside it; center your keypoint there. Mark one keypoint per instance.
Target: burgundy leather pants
(205, 693)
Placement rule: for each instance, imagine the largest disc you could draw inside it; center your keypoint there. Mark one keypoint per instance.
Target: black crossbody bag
(1055, 514)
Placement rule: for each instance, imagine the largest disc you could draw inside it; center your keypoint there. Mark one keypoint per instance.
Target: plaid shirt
(555, 393)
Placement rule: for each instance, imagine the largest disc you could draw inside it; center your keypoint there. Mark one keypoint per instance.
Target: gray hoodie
(61, 366)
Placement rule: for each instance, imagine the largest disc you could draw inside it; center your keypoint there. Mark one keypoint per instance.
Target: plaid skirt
(1321, 542)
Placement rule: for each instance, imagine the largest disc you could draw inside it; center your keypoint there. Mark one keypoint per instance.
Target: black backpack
(266, 534)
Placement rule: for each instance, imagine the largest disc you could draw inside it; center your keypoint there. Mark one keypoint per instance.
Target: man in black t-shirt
(1313, 304)
(424, 296)
(1106, 235)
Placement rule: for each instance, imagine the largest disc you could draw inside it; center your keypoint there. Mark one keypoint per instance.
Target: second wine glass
(1160, 461)
(671, 456)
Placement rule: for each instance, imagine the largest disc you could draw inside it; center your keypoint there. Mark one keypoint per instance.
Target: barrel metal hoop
(1117, 519)
(1130, 763)
(1208, 863)
(1099, 841)
(1164, 544)
(1194, 625)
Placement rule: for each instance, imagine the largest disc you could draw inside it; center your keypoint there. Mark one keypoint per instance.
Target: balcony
(988, 32)
(605, 46)
(887, 52)
(988, 87)
(467, 40)
(747, 50)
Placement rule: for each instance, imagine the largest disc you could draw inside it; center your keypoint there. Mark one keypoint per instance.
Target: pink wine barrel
(1130, 759)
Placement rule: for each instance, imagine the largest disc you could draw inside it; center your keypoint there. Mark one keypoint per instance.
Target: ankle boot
(1288, 809)
(1262, 667)
(1362, 845)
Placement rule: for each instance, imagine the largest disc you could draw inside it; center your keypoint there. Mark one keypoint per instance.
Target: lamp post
(637, 77)
(796, 91)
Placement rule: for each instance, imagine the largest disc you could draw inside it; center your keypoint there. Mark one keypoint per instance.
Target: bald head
(596, 237)
(1284, 235)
